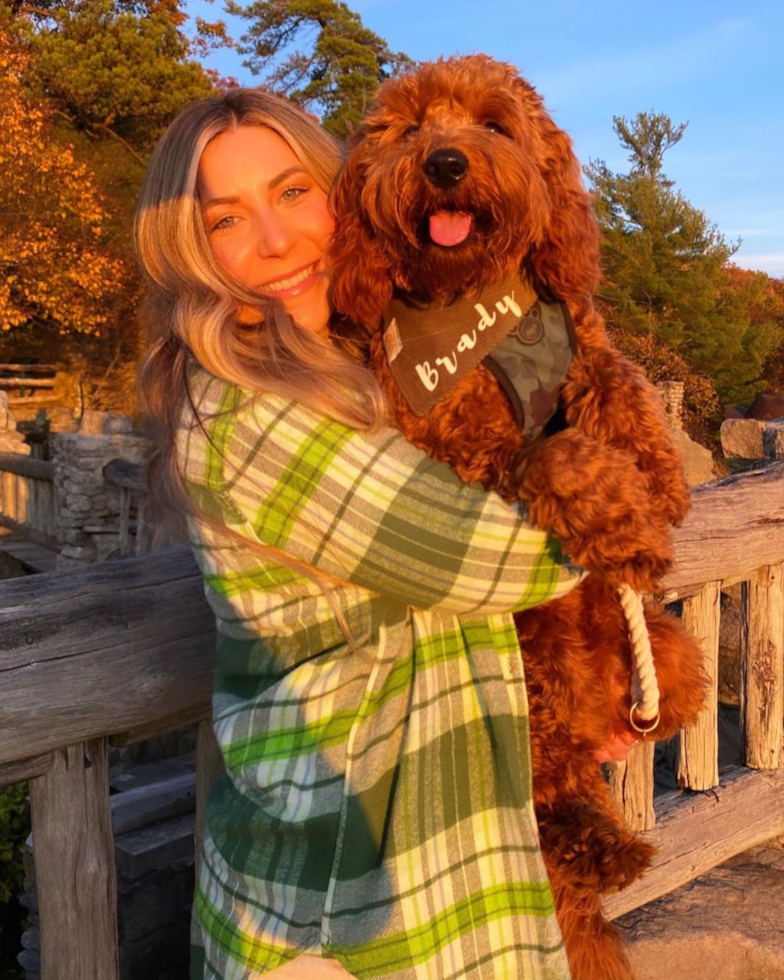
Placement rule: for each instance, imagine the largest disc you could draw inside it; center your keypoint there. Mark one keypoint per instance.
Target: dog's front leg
(594, 499)
(609, 398)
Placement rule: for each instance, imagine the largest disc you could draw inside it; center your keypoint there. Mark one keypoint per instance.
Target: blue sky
(718, 65)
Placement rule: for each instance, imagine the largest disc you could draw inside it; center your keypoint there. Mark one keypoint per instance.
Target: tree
(107, 77)
(55, 274)
(337, 76)
(115, 69)
(664, 265)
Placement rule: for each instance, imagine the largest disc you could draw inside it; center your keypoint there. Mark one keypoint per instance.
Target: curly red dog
(457, 180)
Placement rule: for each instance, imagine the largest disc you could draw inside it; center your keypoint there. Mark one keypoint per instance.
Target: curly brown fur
(608, 486)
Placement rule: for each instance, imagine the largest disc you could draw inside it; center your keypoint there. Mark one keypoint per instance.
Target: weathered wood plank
(734, 527)
(19, 772)
(75, 871)
(123, 473)
(694, 833)
(37, 536)
(36, 469)
(113, 647)
(762, 668)
(698, 759)
(631, 783)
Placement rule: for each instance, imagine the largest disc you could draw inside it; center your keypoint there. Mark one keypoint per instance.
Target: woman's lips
(294, 283)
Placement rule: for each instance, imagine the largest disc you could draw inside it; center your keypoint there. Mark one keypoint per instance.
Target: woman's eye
(223, 223)
(495, 128)
(292, 193)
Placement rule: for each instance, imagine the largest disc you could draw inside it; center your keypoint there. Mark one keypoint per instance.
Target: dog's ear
(361, 283)
(566, 264)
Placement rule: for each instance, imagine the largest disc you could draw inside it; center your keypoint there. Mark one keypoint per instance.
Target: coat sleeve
(368, 509)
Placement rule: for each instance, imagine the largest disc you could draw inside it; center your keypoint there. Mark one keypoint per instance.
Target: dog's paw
(593, 851)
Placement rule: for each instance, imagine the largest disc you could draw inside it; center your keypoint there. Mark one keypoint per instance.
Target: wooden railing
(120, 651)
(27, 499)
(135, 535)
(28, 384)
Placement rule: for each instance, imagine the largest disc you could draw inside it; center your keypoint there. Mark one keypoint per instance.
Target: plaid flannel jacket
(376, 806)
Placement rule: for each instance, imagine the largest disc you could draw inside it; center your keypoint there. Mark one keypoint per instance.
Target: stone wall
(88, 509)
(672, 396)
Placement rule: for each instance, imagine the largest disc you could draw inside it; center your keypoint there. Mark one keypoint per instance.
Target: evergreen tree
(664, 265)
(337, 75)
(114, 69)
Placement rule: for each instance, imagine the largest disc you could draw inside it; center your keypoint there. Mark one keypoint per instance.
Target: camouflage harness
(526, 343)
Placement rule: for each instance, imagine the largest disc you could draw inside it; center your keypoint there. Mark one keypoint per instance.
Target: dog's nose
(446, 168)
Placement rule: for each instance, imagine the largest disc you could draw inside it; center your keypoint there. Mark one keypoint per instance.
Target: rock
(726, 924)
(766, 406)
(698, 463)
(743, 439)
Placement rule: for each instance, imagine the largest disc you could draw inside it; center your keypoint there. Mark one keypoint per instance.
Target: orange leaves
(53, 270)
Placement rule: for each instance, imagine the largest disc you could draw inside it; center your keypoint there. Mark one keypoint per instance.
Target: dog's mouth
(449, 228)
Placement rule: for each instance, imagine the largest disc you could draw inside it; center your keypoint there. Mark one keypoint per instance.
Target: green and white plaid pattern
(376, 806)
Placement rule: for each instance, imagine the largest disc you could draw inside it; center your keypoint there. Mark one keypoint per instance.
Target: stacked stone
(11, 441)
(672, 396)
(88, 509)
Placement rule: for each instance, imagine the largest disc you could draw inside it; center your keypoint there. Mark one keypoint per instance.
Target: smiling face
(267, 220)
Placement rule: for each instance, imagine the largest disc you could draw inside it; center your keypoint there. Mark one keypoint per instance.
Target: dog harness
(526, 343)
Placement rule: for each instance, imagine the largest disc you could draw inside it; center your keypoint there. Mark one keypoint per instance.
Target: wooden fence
(27, 499)
(29, 384)
(121, 651)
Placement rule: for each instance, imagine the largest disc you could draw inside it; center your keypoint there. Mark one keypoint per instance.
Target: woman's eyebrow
(284, 174)
(220, 200)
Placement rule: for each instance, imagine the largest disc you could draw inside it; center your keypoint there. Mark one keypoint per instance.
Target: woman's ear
(361, 283)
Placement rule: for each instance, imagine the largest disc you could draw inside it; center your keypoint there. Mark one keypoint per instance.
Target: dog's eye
(495, 128)
(411, 131)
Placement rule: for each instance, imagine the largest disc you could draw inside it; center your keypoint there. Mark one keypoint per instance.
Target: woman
(374, 819)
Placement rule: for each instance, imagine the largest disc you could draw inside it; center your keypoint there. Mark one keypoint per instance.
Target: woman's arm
(369, 509)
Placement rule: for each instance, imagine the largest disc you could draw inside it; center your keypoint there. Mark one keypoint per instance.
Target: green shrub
(14, 828)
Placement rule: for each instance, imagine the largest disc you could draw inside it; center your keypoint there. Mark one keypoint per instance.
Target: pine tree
(664, 265)
(337, 75)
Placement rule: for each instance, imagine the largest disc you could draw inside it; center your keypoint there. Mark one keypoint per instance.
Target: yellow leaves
(52, 268)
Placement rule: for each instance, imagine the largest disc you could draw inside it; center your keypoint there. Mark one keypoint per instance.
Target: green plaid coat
(376, 806)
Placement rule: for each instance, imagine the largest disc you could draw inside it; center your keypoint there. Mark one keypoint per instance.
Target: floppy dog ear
(567, 261)
(361, 283)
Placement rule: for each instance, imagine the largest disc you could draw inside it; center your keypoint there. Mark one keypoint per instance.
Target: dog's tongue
(449, 227)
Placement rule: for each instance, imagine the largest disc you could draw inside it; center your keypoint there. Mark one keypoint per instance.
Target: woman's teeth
(281, 284)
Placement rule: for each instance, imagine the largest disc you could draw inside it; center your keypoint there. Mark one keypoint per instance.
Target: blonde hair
(191, 307)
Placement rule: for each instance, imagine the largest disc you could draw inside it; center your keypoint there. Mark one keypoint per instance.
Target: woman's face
(267, 220)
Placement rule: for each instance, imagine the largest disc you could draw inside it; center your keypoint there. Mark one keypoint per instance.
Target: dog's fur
(608, 485)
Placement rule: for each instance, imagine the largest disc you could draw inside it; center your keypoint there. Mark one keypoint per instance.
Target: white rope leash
(644, 714)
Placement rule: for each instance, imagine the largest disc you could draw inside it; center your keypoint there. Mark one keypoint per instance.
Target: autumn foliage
(55, 273)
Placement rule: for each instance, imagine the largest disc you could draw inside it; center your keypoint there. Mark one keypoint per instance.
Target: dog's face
(455, 179)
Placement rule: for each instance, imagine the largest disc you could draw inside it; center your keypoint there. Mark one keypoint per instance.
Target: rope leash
(644, 713)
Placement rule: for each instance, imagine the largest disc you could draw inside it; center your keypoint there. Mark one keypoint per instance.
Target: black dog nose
(446, 168)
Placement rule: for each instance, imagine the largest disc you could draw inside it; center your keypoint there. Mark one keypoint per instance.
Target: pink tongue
(449, 227)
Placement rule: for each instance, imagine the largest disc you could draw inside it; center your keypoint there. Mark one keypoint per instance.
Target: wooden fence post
(698, 760)
(762, 667)
(73, 849)
(631, 783)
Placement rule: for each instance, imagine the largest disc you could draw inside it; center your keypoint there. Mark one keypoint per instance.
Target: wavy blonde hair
(191, 307)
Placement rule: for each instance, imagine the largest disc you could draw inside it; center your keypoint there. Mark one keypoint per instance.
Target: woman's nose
(275, 237)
